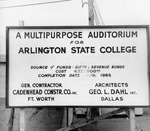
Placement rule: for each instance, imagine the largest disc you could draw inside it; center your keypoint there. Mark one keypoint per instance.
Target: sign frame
(70, 27)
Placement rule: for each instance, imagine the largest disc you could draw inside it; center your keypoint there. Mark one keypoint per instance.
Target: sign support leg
(11, 120)
(22, 119)
(65, 117)
(132, 119)
(22, 111)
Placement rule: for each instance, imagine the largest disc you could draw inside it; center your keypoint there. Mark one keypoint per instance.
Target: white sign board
(77, 66)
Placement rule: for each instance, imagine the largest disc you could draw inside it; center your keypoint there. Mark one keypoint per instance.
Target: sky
(70, 12)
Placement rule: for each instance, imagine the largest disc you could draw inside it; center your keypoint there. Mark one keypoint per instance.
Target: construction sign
(77, 66)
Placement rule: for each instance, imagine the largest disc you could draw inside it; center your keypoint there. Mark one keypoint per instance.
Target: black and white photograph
(74, 65)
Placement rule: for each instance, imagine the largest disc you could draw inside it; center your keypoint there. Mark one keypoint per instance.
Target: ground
(50, 119)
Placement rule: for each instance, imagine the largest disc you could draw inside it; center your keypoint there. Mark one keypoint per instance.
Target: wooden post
(91, 13)
(11, 120)
(91, 23)
(70, 116)
(132, 119)
(22, 110)
(21, 23)
(22, 119)
(65, 117)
